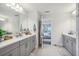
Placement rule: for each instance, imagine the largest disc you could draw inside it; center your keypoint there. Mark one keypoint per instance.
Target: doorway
(46, 33)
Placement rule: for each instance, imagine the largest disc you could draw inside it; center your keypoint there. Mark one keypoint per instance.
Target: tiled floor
(51, 51)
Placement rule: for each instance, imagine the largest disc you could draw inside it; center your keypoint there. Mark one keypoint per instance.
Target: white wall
(61, 22)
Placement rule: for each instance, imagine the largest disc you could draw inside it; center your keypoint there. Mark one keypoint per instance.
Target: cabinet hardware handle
(10, 54)
(25, 45)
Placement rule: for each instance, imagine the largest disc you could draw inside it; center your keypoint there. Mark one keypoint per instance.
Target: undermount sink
(71, 35)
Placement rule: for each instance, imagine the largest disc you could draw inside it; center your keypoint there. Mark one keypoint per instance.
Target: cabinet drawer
(14, 52)
(74, 47)
(8, 48)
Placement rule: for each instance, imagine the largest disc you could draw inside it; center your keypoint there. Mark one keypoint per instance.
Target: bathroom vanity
(18, 46)
(69, 42)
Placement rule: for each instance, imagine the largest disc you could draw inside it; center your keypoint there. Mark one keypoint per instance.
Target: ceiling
(51, 7)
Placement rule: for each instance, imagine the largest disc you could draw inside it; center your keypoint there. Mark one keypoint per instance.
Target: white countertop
(73, 36)
(14, 40)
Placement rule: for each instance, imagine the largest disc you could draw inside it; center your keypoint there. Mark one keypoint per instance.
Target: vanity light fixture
(2, 19)
(15, 6)
(8, 5)
(74, 12)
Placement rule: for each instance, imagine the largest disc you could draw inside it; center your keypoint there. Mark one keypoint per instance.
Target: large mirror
(14, 21)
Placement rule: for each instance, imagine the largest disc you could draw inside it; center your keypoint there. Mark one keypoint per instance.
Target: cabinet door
(22, 50)
(24, 47)
(8, 48)
(70, 44)
(74, 47)
(14, 52)
(33, 42)
(29, 46)
(64, 40)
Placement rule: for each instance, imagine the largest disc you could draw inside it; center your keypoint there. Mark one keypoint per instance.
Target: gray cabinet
(26, 46)
(22, 50)
(29, 45)
(32, 44)
(74, 46)
(23, 47)
(70, 44)
(11, 50)
(65, 42)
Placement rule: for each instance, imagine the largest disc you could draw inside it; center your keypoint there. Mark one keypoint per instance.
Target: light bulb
(21, 9)
(17, 6)
(1, 19)
(74, 12)
(8, 5)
